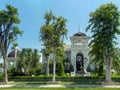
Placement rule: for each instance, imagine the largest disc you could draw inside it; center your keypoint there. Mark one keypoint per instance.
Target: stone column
(74, 63)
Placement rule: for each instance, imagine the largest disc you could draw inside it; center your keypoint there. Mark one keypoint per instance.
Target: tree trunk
(108, 70)
(54, 68)
(47, 68)
(5, 70)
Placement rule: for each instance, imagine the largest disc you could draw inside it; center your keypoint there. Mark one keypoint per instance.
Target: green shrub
(61, 69)
(60, 77)
(30, 77)
(1, 74)
(115, 77)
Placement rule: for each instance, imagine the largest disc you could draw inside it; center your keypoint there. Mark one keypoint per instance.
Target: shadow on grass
(91, 84)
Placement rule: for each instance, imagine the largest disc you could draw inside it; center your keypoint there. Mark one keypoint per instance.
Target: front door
(79, 62)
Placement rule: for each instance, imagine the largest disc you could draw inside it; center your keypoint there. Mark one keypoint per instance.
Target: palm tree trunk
(5, 70)
(108, 70)
(54, 68)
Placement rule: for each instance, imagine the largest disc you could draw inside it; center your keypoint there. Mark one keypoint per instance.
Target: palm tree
(35, 61)
(28, 60)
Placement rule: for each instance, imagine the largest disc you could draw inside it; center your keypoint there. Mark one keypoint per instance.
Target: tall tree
(45, 35)
(104, 24)
(52, 35)
(8, 32)
(59, 27)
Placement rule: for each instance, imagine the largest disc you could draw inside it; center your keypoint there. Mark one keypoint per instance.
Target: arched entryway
(79, 62)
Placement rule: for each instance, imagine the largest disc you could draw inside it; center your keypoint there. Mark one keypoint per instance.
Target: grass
(28, 83)
(82, 83)
(66, 83)
(35, 86)
(59, 88)
(62, 83)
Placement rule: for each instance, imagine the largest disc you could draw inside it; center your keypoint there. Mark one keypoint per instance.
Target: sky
(31, 13)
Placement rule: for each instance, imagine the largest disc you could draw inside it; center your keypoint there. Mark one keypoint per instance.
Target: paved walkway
(61, 86)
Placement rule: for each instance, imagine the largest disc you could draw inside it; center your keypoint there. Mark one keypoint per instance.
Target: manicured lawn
(62, 83)
(37, 86)
(59, 88)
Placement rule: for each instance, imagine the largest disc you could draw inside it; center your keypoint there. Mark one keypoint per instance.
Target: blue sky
(31, 13)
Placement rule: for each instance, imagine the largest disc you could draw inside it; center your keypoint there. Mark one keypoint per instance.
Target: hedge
(59, 77)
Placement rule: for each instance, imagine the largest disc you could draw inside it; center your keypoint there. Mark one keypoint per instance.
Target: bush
(61, 69)
(57, 77)
(30, 77)
(1, 74)
(61, 78)
(115, 77)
